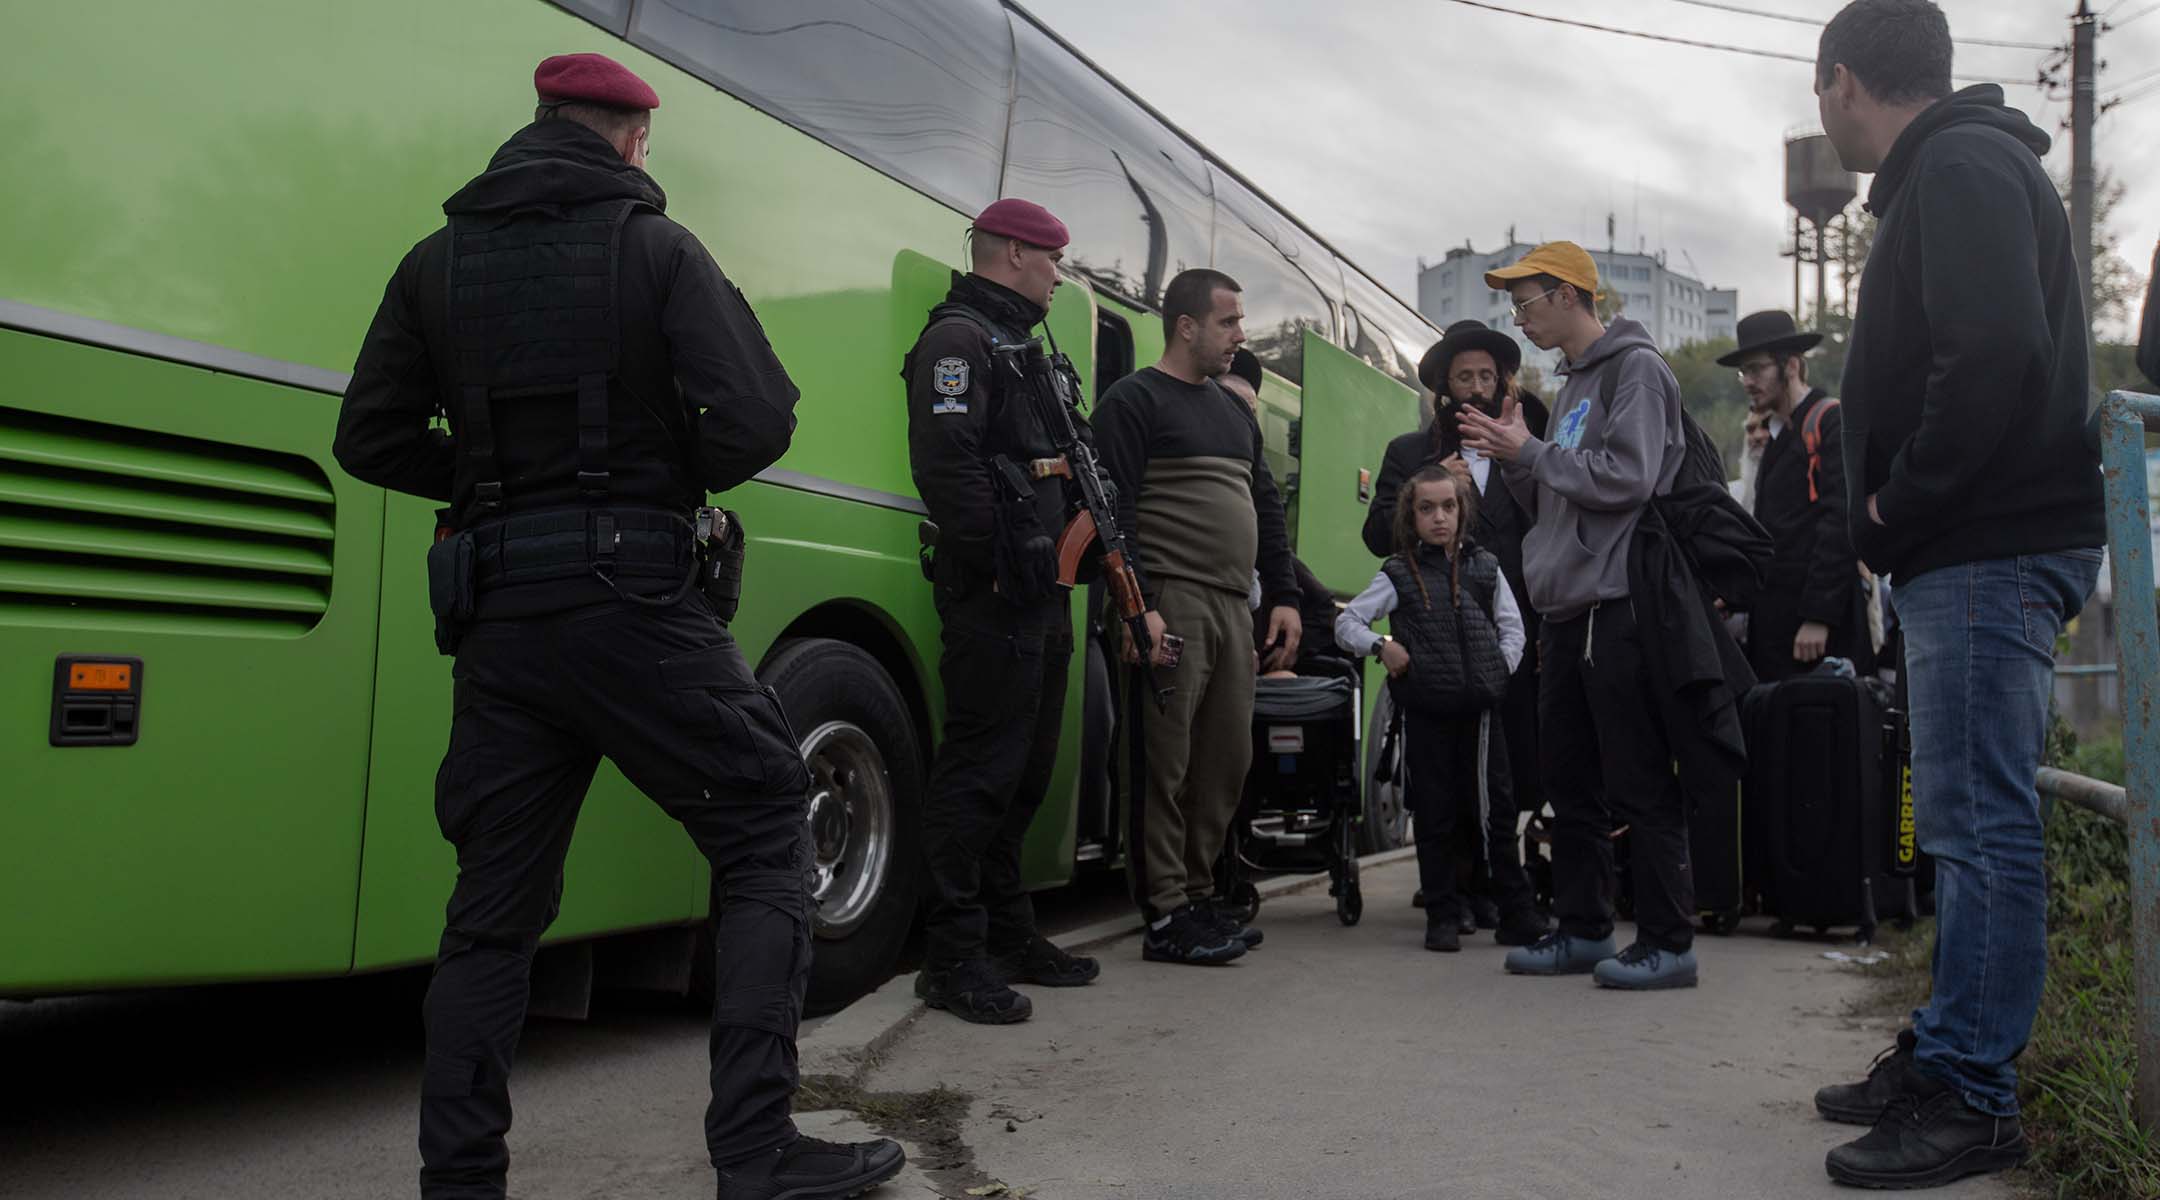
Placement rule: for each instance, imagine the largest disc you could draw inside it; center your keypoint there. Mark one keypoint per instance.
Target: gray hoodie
(1588, 485)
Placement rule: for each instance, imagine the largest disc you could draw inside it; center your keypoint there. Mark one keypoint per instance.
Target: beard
(1489, 405)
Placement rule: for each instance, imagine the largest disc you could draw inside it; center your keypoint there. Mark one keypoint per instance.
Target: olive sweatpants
(1183, 766)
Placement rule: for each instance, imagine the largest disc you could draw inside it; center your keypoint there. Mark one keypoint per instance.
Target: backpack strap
(1811, 438)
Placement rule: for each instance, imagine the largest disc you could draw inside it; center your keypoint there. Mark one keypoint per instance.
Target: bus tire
(867, 782)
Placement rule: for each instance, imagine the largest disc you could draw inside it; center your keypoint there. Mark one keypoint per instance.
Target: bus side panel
(1351, 411)
(194, 521)
(630, 864)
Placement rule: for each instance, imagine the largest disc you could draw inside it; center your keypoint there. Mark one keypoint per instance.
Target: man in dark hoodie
(586, 423)
(1615, 442)
(1974, 485)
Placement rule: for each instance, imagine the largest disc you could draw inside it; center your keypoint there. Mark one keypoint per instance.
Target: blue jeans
(1980, 657)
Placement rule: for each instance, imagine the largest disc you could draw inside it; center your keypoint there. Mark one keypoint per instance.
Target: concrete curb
(847, 1045)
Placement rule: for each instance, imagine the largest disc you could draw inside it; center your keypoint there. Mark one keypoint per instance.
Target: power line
(1680, 41)
(2146, 11)
(1800, 20)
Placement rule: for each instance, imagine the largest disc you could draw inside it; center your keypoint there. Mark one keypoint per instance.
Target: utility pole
(2083, 27)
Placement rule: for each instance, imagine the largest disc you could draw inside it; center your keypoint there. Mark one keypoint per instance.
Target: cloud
(1400, 128)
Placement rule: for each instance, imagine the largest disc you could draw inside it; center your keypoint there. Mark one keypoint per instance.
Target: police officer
(600, 376)
(1008, 638)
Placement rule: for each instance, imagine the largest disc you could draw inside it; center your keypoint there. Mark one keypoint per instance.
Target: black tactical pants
(1607, 764)
(666, 696)
(1004, 671)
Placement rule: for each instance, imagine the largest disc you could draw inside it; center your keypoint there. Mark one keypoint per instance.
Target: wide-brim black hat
(1771, 332)
(1432, 370)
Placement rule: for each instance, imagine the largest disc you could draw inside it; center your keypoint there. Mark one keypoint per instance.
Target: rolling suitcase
(1822, 813)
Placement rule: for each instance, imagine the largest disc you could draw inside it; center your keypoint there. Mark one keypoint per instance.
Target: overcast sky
(1399, 128)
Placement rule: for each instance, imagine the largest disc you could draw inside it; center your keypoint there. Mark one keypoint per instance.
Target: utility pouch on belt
(1023, 556)
(926, 552)
(450, 587)
(720, 560)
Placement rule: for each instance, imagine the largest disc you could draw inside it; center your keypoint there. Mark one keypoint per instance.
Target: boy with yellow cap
(1614, 442)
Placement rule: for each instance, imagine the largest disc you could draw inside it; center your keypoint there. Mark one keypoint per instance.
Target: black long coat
(1814, 572)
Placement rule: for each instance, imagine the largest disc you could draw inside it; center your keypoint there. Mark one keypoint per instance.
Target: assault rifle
(1052, 387)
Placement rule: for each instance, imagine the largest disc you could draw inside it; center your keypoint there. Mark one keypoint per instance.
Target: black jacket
(2148, 349)
(1813, 559)
(700, 403)
(1696, 670)
(1965, 382)
(1501, 521)
(962, 412)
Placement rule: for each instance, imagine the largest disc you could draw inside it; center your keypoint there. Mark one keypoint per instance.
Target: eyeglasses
(1751, 371)
(1518, 309)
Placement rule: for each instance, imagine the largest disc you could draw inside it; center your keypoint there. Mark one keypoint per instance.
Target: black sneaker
(1190, 937)
(1442, 936)
(1417, 898)
(972, 991)
(1040, 962)
(810, 1168)
(1522, 928)
(1927, 1136)
(1465, 918)
(1485, 912)
(1861, 1103)
(1228, 923)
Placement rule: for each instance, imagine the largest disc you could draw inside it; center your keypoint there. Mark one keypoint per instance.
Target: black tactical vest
(1014, 430)
(1456, 668)
(532, 313)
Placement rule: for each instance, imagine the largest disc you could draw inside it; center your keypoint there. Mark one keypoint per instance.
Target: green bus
(222, 709)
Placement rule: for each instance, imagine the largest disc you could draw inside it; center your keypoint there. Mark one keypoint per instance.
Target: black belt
(618, 543)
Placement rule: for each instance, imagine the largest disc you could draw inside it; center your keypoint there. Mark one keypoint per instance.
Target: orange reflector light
(101, 677)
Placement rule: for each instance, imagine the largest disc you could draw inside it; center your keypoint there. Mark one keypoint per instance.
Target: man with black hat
(600, 376)
(1008, 638)
(1810, 605)
(1474, 367)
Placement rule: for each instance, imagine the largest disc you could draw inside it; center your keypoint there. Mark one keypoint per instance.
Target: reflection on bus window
(1290, 281)
(918, 90)
(1132, 192)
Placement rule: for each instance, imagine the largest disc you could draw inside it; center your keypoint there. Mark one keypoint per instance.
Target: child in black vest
(1457, 638)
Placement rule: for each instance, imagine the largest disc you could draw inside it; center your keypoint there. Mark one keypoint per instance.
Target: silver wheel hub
(852, 826)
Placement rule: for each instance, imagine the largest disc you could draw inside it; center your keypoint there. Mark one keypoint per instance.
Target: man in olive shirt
(1201, 511)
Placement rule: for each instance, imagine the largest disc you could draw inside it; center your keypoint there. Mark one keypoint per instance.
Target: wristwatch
(1384, 640)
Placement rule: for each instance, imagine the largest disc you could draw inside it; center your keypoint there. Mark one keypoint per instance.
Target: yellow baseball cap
(1564, 261)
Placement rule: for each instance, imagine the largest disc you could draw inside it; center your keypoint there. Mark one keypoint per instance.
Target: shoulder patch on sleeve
(949, 376)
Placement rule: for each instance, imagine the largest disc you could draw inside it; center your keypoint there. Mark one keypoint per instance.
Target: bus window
(1384, 333)
(919, 91)
(1133, 193)
(611, 15)
(1113, 351)
(1289, 281)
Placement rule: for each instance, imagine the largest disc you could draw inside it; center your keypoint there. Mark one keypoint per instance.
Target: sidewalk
(1337, 1062)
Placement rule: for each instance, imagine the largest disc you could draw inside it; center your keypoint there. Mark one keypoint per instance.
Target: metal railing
(2124, 418)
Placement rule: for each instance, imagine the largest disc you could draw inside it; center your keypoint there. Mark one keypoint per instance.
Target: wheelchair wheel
(1349, 898)
(1243, 901)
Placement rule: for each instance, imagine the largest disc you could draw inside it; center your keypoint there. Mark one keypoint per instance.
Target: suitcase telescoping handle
(1897, 765)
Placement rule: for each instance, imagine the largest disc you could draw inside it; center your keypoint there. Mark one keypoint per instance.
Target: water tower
(1818, 187)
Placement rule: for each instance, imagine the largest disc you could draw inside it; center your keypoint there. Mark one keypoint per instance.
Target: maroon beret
(593, 79)
(1025, 220)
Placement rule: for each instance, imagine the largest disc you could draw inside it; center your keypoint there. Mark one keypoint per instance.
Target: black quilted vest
(1456, 668)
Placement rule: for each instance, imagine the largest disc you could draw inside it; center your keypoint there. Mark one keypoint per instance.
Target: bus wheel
(866, 781)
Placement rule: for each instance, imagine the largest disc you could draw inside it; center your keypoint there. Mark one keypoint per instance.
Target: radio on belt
(97, 700)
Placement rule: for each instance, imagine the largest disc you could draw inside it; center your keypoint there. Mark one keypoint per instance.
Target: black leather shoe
(1442, 936)
(1465, 919)
(1039, 962)
(1927, 1136)
(1485, 912)
(1521, 928)
(812, 1169)
(1860, 1103)
(972, 991)
(1417, 898)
